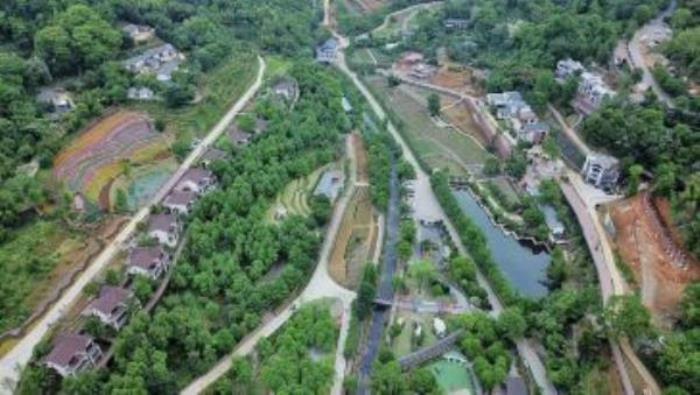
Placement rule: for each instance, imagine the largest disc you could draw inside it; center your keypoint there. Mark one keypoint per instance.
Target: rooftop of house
(65, 346)
(329, 45)
(536, 127)
(213, 154)
(197, 175)
(569, 65)
(110, 298)
(505, 98)
(603, 160)
(52, 95)
(177, 198)
(133, 29)
(238, 136)
(330, 183)
(151, 53)
(162, 222)
(145, 257)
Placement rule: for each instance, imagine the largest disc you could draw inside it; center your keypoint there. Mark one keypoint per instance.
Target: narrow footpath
(14, 361)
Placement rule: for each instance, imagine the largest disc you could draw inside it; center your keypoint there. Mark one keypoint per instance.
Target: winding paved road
(320, 286)
(14, 361)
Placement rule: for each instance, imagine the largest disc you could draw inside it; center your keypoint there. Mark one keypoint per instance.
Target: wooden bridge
(418, 358)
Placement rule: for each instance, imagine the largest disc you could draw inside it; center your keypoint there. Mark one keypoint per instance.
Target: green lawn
(437, 147)
(452, 377)
(27, 263)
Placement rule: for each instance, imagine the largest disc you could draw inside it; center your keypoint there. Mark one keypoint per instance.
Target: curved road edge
(14, 361)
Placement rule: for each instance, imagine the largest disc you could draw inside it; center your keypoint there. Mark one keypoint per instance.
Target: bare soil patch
(642, 247)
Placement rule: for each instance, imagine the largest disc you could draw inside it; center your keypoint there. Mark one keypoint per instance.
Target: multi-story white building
(601, 170)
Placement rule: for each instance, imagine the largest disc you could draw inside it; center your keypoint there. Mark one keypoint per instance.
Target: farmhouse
(591, 92)
(148, 261)
(330, 185)
(239, 137)
(285, 89)
(212, 155)
(180, 202)
(326, 52)
(567, 68)
(196, 180)
(411, 58)
(511, 107)
(422, 71)
(111, 306)
(57, 99)
(165, 228)
(533, 133)
(140, 93)
(138, 33)
(162, 61)
(602, 171)
(72, 354)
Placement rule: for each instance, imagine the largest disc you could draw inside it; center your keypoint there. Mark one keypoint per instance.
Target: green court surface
(452, 377)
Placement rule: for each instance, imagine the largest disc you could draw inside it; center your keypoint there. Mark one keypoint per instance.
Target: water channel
(525, 267)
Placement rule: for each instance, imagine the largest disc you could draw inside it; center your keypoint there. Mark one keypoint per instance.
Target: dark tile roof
(65, 346)
(197, 175)
(110, 298)
(213, 154)
(163, 222)
(178, 198)
(145, 257)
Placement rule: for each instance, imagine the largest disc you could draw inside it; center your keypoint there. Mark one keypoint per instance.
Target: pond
(525, 267)
(145, 185)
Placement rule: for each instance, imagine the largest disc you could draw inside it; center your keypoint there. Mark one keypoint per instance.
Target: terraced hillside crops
(294, 200)
(108, 149)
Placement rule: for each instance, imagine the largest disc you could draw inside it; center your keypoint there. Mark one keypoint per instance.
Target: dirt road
(570, 132)
(14, 361)
(389, 17)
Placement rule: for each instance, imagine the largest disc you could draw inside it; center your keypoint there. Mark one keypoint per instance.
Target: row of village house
(75, 352)
(599, 169)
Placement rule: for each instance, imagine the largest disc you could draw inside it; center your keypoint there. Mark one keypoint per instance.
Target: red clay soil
(642, 248)
(458, 78)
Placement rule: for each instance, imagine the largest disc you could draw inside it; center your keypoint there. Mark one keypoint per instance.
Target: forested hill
(79, 44)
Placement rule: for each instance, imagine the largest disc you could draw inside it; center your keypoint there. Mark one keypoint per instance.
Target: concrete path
(320, 286)
(14, 361)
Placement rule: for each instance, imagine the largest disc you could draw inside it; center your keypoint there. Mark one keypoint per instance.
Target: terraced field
(294, 200)
(108, 149)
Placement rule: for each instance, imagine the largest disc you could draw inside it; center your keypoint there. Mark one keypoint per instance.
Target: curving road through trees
(14, 361)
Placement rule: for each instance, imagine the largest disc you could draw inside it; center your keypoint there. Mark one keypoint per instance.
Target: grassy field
(354, 244)
(438, 147)
(402, 345)
(220, 89)
(36, 255)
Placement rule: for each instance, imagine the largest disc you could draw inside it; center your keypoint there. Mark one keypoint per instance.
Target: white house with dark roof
(139, 33)
(330, 185)
(165, 228)
(72, 354)
(567, 68)
(141, 93)
(522, 119)
(326, 52)
(150, 262)
(162, 61)
(111, 306)
(601, 170)
(180, 202)
(196, 180)
(58, 99)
